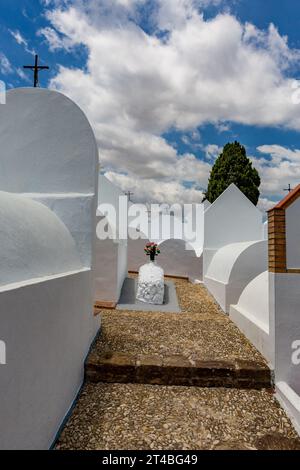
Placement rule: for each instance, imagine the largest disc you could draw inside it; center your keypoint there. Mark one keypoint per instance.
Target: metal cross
(36, 68)
(289, 189)
(129, 194)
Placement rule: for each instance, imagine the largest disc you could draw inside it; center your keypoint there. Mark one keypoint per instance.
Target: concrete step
(113, 367)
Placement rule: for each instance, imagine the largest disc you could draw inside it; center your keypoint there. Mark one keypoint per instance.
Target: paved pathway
(200, 346)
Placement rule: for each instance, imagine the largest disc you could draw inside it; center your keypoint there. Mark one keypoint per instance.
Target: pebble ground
(201, 331)
(133, 416)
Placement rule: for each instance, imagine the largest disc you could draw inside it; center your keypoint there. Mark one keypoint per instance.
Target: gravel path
(132, 417)
(201, 331)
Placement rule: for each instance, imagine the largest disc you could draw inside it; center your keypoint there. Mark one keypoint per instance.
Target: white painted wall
(75, 210)
(284, 309)
(251, 315)
(49, 154)
(179, 257)
(231, 218)
(265, 231)
(48, 139)
(176, 260)
(111, 255)
(136, 255)
(292, 215)
(284, 313)
(47, 327)
(232, 268)
(109, 193)
(33, 240)
(122, 266)
(106, 270)
(284, 291)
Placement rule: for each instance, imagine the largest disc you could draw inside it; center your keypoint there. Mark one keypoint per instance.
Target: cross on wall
(36, 69)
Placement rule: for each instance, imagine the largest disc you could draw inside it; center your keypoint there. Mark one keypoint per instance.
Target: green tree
(233, 166)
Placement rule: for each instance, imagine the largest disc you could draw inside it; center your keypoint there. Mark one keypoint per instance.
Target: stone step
(113, 367)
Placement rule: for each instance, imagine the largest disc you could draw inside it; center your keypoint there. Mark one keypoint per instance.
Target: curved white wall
(33, 241)
(174, 258)
(224, 260)
(47, 144)
(49, 154)
(254, 300)
(252, 315)
(233, 267)
(177, 261)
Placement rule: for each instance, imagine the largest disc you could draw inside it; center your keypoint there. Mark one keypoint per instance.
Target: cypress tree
(233, 166)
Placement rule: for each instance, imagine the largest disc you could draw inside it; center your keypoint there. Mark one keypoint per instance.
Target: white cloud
(23, 75)
(18, 37)
(5, 65)
(212, 151)
(265, 204)
(54, 40)
(153, 191)
(21, 41)
(280, 168)
(139, 85)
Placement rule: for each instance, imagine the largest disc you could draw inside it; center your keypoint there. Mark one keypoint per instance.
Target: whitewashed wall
(292, 215)
(233, 267)
(252, 315)
(111, 255)
(178, 256)
(231, 221)
(47, 328)
(232, 218)
(48, 154)
(285, 314)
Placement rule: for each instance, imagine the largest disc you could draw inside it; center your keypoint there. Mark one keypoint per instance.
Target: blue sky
(124, 62)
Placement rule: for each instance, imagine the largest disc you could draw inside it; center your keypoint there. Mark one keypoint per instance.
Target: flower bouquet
(152, 250)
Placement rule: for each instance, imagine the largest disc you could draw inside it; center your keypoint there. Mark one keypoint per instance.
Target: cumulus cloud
(152, 190)
(265, 204)
(138, 85)
(212, 151)
(278, 167)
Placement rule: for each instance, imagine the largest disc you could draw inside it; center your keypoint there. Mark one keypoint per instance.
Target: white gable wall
(231, 226)
(231, 218)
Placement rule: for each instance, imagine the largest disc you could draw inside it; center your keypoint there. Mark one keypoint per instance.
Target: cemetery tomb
(234, 251)
(34, 241)
(233, 267)
(49, 162)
